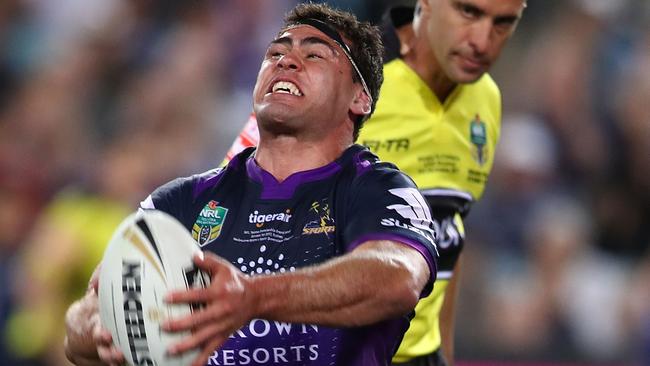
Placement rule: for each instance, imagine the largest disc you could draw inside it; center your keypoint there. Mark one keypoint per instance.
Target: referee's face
(467, 36)
(304, 84)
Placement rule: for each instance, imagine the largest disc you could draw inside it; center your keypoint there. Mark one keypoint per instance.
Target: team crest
(478, 137)
(319, 219)
(209, 223)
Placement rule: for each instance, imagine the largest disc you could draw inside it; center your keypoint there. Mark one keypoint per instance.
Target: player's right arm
(87, 343)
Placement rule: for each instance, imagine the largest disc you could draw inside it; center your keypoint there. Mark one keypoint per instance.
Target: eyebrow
(506, 19)
(470, 6)
(308, 40)
(499, 19)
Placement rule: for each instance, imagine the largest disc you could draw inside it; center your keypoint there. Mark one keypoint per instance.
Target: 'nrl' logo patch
(478, 137)
(208, 225)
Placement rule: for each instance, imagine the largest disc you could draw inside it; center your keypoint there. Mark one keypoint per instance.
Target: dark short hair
(366, 48)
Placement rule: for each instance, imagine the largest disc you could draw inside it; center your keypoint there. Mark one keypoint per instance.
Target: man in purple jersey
(317, 251)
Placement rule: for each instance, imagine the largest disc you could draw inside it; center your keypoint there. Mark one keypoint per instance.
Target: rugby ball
(149, 254)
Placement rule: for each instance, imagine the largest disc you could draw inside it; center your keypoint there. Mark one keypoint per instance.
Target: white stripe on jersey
(447, 193)
(147, 204)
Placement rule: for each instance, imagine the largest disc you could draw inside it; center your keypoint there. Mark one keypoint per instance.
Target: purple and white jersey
(262, 226)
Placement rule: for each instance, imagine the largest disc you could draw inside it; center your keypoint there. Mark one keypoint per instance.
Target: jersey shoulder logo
(478, 137)
(207, 226)
(416, 211)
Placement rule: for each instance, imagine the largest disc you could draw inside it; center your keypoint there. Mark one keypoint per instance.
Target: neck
(284, 155)
(424, 63)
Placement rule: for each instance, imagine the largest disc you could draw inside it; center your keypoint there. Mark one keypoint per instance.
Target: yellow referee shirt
(448, 149)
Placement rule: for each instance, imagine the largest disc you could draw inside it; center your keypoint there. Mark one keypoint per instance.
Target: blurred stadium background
(103, 100)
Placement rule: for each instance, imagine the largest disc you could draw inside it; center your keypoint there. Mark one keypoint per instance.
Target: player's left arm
(344, 292)
(379, 279)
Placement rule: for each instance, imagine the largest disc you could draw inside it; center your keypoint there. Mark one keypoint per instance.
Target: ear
(406, 37)
(361, 104)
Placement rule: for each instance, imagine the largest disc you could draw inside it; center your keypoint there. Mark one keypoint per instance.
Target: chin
(275, 127)
(276, 120)
(465, 77)
(272, 112)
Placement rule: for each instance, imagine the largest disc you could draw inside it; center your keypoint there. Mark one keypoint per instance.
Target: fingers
(207, 262)
(210, 262)
(213, 333)
(106, 349)
(224, 313)
(217, 313)
(225, 281)
(185, 323)
(197, 295)
(202, 359)
(111, 355)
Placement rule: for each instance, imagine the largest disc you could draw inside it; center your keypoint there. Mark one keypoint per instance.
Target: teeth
(286, 87)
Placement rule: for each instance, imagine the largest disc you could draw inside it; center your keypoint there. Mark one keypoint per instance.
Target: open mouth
(286, 87)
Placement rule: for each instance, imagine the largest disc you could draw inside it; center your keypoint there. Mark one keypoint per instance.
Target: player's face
(467, 36)
(305, 79)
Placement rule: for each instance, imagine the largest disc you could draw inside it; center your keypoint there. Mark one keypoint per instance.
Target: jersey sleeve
(388, 206)
(171, 198)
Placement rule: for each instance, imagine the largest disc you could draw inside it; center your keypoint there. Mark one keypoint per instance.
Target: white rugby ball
(149, 254)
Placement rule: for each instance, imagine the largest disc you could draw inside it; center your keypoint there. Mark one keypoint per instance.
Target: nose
(289, 61)
(480, 37)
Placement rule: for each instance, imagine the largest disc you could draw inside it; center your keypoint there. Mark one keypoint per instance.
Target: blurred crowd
(102, 101)
(559, 248)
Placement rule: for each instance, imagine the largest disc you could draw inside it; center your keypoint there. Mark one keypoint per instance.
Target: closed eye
(469, 11)
(505, 23)
(277, 48)
(317, 48)
(317, 51)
